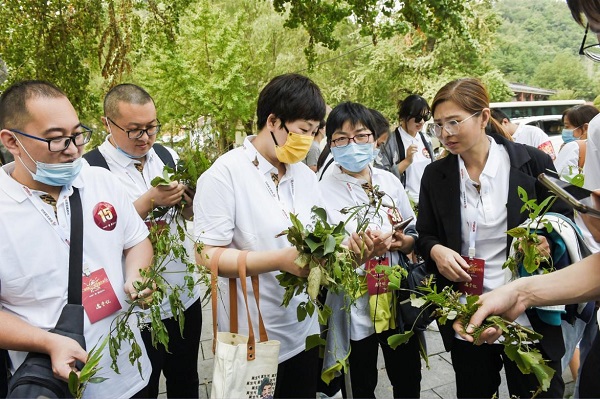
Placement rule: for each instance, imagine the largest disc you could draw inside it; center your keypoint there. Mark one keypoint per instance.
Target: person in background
(577, 283)
(267, 169)
(571, 157)
(407, 150)
(468, 201)
(312, 157)
(525, 134)
(131, 153)
(352, 134)
(41, 129)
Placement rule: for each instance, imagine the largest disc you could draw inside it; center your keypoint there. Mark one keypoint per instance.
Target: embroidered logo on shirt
(105, 216)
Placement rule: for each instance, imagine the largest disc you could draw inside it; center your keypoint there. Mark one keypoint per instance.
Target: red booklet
(476, 268)
(377, 283)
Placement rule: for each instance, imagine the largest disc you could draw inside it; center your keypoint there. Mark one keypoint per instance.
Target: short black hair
(290, 97)
(498, 115)
(411, 106)
(354, 113)
(127, 93)
(13, 101)
(381, 124)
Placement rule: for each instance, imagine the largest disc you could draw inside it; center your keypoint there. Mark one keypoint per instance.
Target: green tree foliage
(539, 39)
(83, 46)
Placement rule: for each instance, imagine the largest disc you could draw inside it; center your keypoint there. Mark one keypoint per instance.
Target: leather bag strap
(214, 271)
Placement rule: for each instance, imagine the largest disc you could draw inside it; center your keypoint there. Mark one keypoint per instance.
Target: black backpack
(95, 157)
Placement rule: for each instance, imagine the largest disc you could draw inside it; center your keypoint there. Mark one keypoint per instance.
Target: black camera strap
(76, 248)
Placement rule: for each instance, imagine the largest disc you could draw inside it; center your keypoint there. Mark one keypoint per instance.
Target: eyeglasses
(592, 51)
(137, 133)
(362, 138)
(419, 118)
(59, 144)
(451, 127)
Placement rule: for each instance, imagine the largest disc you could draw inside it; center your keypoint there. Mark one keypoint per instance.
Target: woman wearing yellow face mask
(244, 200)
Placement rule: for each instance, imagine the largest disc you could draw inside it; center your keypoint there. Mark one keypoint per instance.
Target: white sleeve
(591, 169)
(214, 207)
(567, 159)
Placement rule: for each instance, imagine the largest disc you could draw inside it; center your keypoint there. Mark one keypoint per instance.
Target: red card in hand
(377, 283)
(98, 297)
(475, 286)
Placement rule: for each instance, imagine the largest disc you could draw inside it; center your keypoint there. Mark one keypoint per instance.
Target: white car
(552, 125)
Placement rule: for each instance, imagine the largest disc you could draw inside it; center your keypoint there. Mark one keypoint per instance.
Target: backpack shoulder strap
(95, 158)
(401, 154)
(582, 147)
(324, 168)
(164, 155)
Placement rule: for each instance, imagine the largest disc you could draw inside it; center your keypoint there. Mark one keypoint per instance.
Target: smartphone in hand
(402, 225)
(577, 197)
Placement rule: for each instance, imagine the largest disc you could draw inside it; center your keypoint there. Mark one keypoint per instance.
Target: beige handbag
(243, 368)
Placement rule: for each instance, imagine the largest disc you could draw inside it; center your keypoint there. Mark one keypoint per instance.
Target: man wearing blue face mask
(351, 135)
(40, 128)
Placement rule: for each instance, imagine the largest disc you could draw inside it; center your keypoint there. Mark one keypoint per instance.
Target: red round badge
(105, 216)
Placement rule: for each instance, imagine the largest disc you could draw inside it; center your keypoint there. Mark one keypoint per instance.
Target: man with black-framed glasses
(41, 129)
(131, 153)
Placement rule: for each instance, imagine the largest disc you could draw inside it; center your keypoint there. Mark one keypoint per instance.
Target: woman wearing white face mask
(571, 157)
(351, 134)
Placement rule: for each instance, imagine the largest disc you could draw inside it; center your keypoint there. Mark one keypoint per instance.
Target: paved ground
(437, 382)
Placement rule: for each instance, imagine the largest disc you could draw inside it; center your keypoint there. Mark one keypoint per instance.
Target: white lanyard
(471, 213)
(52, 221)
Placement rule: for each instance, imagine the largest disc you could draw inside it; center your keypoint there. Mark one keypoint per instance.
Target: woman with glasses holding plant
(407, 151)
(380, 203)
(468, 201)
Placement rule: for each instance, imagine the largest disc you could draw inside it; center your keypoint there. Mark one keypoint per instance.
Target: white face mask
(53, 174)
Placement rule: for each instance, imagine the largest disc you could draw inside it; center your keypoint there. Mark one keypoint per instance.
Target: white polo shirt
(340, 190)
(567, 160)
(535, 137)
(35, 285)
(415, 170)
(238, 206)
(136, 184)
(489, 205)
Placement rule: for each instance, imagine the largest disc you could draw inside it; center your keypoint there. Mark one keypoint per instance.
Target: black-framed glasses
(59, 144)
(592, 51)
(361, 138)
(451, 127)
(137, 133)
(419, 118)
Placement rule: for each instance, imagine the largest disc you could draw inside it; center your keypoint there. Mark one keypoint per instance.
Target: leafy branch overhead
(376, 18)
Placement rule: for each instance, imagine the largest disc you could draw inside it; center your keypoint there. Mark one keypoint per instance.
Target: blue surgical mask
(354, 157)
(54, 174)
(122, 151)
(567, 135)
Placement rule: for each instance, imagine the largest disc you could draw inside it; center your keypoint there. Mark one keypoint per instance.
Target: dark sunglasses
(419, 118)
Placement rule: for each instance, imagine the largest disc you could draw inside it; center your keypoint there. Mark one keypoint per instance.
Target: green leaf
(398, 339)
(329, 246)
(313, 341)
(301, 312)
(73, 384)
(517, 232)
(313, 245)
(320, 213)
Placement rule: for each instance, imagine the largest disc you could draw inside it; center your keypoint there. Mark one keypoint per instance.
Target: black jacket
(439, 220)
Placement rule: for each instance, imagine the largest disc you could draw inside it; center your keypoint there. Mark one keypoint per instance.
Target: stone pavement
(437, 382)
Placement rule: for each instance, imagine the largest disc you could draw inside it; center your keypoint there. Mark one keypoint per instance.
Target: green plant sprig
(331, 264)
(167, 246)
(516, 341)
(526, 252)
(87, 375)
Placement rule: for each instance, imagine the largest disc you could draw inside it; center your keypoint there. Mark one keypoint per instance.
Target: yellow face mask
(295, 148)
